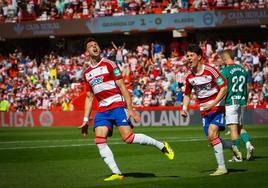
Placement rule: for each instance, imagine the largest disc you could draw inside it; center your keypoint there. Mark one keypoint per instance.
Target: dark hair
(90, 39)
(195, 48)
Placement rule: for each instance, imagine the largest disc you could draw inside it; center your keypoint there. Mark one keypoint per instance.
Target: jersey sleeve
(114, 70)
(219, 79)
(87, 85)
(188, 87)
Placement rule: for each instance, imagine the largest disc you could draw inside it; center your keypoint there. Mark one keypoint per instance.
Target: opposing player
(103, 79)
(236, 100)
(210, 87)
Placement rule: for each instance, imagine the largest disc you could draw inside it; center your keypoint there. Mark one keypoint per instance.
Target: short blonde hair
(228, 52)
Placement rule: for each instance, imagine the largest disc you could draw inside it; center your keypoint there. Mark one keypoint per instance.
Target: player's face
(93, 49)
(192, 59)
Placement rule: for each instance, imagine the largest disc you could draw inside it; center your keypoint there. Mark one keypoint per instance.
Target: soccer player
(210, 87)
(103, 80)
(236, 100)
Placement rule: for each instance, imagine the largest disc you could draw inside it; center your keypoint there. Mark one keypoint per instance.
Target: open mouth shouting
(95, 51)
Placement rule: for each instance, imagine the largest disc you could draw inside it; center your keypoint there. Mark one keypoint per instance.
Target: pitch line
(170, 139)
(75, 140)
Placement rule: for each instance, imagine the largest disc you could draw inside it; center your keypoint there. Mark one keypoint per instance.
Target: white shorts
(234, 114)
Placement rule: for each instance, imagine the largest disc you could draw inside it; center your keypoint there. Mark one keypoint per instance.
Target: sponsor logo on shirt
(96, 81)
(117, 72)
(205, 87)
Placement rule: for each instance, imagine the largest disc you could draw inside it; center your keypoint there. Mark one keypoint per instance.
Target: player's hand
(84, 128)
(83, 124)
(207, 107)
(184, 113)
(134, 115)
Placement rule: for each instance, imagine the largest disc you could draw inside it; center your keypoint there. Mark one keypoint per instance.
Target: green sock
(244, 137)
(237, 143)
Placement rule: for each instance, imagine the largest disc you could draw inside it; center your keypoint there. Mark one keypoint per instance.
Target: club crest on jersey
(117, 72)
(96, 81)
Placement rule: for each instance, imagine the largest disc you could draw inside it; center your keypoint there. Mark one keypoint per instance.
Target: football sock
(218, 151)
(244, 137)
(146, 140)
(237, 143)
(226, 144)
(108, 157)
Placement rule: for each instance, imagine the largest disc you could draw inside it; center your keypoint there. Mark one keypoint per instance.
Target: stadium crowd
(27, 84)
(154, 77)
(25, 10)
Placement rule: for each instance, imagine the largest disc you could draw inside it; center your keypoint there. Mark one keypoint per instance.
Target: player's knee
(129, 139)
(211, 137)
(242, 130)
(214, 141)
(100, 139)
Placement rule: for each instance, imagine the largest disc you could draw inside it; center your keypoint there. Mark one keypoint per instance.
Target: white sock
(108, 157)
(146, 140)
(218, 150)
(226, 144)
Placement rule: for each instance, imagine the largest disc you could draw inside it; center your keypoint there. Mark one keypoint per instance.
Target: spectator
(157, 50)
(255, 59)
(147, 100)
(265, 91)
(258, 76)
(64, 106)
(197, 4)
(179, 96)
(162, 101)
(4, 104)
(169, 98)
(137, 100)
(119, 54)
(64, 78)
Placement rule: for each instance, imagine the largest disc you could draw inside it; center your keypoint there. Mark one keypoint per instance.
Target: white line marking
(170, 139)
(75, 140)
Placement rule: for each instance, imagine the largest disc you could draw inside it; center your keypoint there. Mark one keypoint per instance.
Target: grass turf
(60, 157)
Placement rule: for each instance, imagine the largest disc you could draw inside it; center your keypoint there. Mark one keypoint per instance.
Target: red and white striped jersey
(152, 85)
(180, 77)
(206, 86)
(100, 80)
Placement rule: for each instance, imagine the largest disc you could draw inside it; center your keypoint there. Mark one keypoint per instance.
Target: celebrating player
(103, 80)
(210, 87)
(236, 100)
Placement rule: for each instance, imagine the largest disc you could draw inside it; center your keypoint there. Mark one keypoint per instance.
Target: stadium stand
(17, 11)
(154, 71)
(154, 79)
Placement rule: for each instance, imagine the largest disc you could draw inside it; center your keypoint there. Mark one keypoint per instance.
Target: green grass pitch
(59, 157)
